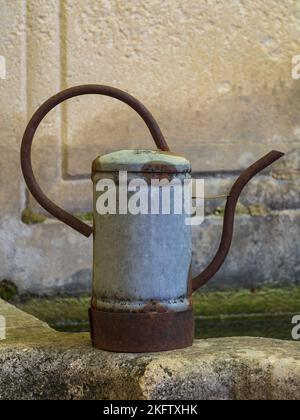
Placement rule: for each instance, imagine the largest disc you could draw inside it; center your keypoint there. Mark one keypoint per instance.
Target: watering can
(142, 283)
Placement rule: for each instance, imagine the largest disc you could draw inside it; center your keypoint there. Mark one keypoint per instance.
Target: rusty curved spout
(228, 223)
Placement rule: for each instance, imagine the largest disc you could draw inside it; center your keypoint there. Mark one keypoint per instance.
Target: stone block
(39, 363)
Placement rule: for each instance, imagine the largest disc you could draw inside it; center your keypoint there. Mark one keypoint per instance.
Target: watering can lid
(141, 161)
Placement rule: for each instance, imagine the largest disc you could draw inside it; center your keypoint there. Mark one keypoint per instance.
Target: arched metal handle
(39, 115)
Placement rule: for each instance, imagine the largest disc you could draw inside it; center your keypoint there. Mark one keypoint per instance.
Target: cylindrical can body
(142, 241)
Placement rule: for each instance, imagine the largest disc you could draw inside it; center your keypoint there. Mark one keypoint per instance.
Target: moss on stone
(8, 290)
(240, 210)
(86, 217)
(58, 310)
(262, 301)
(258, 210)
(252, 210)
(31, 218)
(72, 313)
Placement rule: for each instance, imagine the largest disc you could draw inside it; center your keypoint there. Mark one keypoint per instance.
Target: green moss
(258, 210)
(262, 301)
(31, 218)
(240, 210)
(86, 217)
(262, 313)
(69, 313)
(252, 210)
(8, 290)
(59, 310)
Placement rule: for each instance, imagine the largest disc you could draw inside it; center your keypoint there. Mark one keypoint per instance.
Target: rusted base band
(141, 332)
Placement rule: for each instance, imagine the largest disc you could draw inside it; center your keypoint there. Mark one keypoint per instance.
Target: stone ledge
(40, 363)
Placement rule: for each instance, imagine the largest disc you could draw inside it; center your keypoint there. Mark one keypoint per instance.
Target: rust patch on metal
(158, 170)
(141, 332)
(190, 286)
(153, 306)
(158, 166)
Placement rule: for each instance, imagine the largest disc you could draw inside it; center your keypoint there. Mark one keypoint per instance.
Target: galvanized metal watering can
(142, 284)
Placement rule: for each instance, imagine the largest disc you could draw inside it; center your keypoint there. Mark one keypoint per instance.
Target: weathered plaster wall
(216, 75)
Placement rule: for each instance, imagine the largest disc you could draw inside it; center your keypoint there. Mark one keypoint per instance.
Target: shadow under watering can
(142, 284)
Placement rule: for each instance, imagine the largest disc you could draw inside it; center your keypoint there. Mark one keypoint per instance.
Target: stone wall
(39, 363)
(217, 75)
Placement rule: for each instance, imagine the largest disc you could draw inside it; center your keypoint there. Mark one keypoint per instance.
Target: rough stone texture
(272, 193)
(216, 75)
(265, 249)
(50, 257)
(45, 258)
(38, 363)
(12, 105)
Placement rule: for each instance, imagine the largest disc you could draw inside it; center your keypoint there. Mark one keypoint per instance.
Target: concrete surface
(38, 363)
